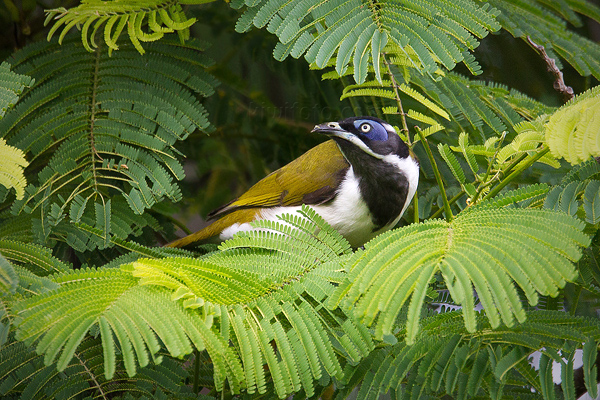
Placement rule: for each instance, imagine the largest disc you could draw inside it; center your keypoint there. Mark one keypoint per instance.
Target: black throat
(382, 185)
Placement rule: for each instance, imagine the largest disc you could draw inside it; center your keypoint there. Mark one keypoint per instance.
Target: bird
(360, 182)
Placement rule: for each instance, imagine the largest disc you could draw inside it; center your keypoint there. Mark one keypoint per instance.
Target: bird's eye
(365, 128)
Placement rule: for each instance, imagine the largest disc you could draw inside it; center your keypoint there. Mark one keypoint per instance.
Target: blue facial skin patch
(376, 132)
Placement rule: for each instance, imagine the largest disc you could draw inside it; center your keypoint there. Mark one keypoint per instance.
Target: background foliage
(136, 116)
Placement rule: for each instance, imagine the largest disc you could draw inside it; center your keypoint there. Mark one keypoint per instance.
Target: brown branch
(559, 84)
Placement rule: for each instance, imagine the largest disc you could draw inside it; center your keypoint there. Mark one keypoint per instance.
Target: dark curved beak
(330, 128)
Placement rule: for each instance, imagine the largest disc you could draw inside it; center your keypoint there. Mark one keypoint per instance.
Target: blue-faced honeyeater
(360, 182)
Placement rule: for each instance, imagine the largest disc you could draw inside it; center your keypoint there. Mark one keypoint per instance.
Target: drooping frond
(111, 18)
(11, 87)
(546, 24)
(481, 107)
(452, 101)
(358, 30)
(113, 301)
(488, 250)
(572, 131)
(105, 127)
(23, 373)
(516, 196)
(11, 168)
(578, 193)
(8, 280)
(262, 287)
(39, 257)
(447, 359)
(12, 159)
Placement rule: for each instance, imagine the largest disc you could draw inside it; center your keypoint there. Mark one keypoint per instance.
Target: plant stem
(355, 107)
(398, 101)
(196, 382)
(416, 207)
(575, 301)
(451, 201)
(438, 176)
(515, 173)
(179, 224)
(483, 183)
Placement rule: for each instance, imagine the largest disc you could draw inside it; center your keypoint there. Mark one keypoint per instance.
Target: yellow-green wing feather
(310, 179)
(215, 229)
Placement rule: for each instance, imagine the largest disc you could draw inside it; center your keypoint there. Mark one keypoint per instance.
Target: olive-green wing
(214, 229)
(310, 179)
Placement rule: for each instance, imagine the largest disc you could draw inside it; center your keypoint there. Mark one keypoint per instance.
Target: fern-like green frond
(105, 129)
(112, 17)
(470, 253)
(41, 258)
(13, 159)
(572, 131)
(23, 373)
(578, 193)
(11, 87)
(481, 107)
(262, 287)
(8, 281)
(530, 136)
(447, 359)
(547, 27)
(516, 196)
(274, 284)
(452, 162)
(452, 101)
(113, 301)
(357, 31)
(11, 168)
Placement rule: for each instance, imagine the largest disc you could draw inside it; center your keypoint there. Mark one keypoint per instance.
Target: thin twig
(483, 184)
(438, 176)
(416, 207)
(179, 224)
(559, 84)
(196, 381)
(398, 101)
(516, 172)
(355, 107)
(92, 376)
(451, 202)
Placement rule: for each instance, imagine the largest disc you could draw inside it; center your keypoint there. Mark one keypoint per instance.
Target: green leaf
(546, 377)
(591, 202)
(590, 369)
(471, 253)
(566, 373)
(12, 168)
(11, 87)
(130, 14)
(8, 278)
(452, 162)
(431, 30)
(141, 107)
(211, 302)
(571, 131)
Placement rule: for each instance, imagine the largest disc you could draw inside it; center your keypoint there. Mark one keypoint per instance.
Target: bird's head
(369, 134)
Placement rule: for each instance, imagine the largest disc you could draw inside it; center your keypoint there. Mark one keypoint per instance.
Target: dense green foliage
(126, 122)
